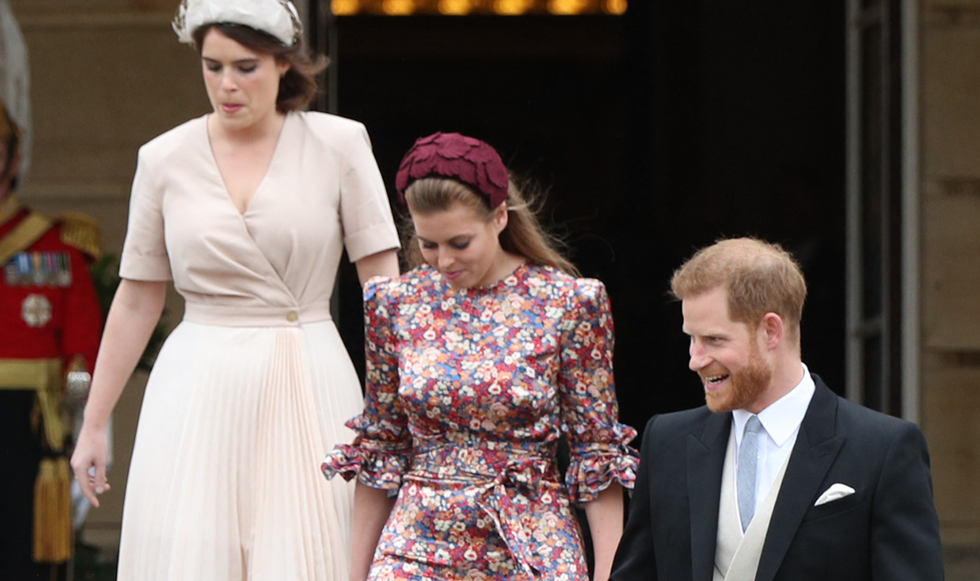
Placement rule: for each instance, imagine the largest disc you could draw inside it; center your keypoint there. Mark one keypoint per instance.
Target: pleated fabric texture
(225, 482)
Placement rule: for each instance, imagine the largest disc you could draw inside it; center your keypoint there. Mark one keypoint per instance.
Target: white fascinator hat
(276, 17)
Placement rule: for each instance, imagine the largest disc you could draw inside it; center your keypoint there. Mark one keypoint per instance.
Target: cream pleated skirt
(225, 483)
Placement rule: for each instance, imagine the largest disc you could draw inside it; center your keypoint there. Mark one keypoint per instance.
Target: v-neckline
(221, 179)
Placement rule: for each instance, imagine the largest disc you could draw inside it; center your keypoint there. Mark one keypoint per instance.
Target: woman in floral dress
(477, 361)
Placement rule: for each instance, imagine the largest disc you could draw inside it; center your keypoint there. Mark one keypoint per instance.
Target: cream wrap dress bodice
(253, 386)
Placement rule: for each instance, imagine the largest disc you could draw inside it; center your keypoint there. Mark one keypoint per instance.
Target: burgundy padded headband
(451, 155)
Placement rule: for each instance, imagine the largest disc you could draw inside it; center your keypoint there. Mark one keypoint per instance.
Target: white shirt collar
(782, 417)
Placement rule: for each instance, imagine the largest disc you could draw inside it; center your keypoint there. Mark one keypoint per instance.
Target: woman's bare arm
(134, 313)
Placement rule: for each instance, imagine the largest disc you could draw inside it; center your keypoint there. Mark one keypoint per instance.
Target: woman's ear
(500, 217)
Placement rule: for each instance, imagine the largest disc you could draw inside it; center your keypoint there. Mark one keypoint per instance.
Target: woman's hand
(605, 516)
(372, 507)
(134, 313)
(89, 462)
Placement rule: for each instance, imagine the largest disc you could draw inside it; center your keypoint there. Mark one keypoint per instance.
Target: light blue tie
(748, 459)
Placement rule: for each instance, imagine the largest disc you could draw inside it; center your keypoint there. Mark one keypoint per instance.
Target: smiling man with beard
(776, 478)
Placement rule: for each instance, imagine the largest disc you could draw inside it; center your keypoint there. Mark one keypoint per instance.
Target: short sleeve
(144, 255)
(599, 445)
(364, 210)
(380, 453)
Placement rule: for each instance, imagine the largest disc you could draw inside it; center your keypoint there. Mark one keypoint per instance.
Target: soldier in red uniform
(50, 324)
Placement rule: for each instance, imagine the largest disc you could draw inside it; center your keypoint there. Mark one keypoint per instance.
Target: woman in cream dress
(247, 210)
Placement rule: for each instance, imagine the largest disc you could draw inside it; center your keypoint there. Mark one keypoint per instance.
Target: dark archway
(654, 133)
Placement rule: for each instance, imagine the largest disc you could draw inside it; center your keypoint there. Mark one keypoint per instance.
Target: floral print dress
(468, 392)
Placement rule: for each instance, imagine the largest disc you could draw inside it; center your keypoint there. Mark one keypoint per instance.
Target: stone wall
(950, 215)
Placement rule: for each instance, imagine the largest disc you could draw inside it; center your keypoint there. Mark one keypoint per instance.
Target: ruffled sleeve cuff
(378, 464)
(596, 465)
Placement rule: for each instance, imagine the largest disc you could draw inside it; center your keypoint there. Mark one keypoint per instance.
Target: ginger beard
(745, 384)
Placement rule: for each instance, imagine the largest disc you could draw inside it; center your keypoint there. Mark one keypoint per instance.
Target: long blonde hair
(523, 236)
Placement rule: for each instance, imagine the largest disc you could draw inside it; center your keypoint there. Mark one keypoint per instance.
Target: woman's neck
(267, 128)
(504, 266)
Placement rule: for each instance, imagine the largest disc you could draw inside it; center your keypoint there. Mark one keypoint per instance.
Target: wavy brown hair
(760, 278)
(298, 87)
(523, 236)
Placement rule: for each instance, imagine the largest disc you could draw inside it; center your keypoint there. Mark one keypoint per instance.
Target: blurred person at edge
(248, 210)
(15, 82)
(477, 361)
(50, 322)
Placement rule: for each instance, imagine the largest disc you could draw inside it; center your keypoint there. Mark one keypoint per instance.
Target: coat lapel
(814, 452)
(705, 460)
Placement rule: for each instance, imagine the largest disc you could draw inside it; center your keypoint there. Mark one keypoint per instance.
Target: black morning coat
(887, 530)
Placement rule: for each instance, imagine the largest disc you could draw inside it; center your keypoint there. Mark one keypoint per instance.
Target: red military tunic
(50, 321)
(52, 314)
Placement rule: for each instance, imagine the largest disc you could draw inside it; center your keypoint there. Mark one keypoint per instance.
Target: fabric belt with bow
(502, 478)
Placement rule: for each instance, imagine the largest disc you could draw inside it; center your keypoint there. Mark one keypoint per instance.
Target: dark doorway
(654, 133)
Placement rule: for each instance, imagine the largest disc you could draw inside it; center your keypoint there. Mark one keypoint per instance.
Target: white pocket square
(833, 493)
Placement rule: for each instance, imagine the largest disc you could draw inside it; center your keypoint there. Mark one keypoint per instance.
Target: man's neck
(789, 375)
(786, 376)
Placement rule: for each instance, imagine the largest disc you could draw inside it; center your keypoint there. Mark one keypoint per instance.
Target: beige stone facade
(950, 215)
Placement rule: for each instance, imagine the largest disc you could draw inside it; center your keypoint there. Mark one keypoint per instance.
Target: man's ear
(11, 173)
(15, 166)
(772, 329)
